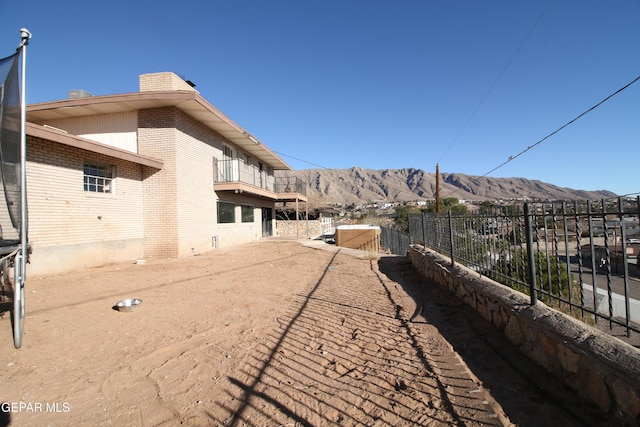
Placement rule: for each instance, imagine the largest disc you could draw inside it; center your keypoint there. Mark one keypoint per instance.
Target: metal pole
(567, 254)
(437, 188)
(297, 219)
(451, 239)
(623, 236)
(579, 255)
(531, 255)
(594, 274)
(26, 35)
(608, 259)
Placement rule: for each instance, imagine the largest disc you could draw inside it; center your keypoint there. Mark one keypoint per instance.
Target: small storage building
(362, 237)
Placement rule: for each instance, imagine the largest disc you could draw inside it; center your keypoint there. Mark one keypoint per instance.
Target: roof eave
(190, 102)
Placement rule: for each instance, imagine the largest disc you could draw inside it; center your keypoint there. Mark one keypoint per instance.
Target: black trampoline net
(10, 170)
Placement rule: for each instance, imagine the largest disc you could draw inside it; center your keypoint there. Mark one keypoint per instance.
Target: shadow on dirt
(526, 393)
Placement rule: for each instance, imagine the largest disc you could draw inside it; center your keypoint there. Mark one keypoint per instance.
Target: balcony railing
(290, 184)
(236, 170)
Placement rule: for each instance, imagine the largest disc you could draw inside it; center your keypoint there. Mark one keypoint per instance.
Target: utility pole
(437, 188)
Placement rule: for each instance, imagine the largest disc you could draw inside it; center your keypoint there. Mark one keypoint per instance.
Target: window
(226, 213)
(98, 178)
(247, 213)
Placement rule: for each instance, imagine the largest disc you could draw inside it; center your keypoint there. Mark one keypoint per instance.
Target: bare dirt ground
(266, 334)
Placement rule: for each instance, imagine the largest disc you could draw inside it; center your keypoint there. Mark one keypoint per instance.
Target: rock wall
(301, 229)
(595, 365)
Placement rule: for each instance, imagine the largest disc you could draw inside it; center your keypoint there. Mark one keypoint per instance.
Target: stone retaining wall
(300, 228)
(597, 366)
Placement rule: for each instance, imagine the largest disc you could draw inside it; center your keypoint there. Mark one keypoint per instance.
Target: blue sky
(369, 83)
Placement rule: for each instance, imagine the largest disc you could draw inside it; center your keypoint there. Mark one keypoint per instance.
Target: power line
(511, 158)
(338, 171)
(530, 147)
(300, 160)
(504, 69)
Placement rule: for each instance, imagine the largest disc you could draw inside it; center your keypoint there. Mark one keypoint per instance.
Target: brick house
(156, 173)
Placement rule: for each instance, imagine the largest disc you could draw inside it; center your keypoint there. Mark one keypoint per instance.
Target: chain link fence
(394, 241)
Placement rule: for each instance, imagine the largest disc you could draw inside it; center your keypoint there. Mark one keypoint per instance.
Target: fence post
(424, 235)
(451, 239)
(530, 254)
(625, 265)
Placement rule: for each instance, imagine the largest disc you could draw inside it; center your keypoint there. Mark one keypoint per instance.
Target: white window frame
(98, 178)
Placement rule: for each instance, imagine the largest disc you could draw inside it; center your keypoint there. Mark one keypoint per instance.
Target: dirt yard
(273, 333)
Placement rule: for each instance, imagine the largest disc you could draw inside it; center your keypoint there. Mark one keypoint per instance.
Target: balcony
(238, 176)
(286, 186)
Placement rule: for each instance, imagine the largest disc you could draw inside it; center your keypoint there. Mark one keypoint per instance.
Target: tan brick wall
(170, 212)
(180, 201)
(238, 233)
(163, 81)
(70, 228)
(156, 138)
(196, 146)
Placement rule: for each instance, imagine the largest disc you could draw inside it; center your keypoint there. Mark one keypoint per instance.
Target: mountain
(357, 185)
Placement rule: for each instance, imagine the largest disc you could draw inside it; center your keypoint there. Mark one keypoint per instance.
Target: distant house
(156, 173)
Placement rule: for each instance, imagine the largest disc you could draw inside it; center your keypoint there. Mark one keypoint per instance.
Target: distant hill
(357, 185)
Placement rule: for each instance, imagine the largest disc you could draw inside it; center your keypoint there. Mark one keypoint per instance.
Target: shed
(362, 237)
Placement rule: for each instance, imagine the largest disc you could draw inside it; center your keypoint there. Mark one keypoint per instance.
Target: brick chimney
(164, 81)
